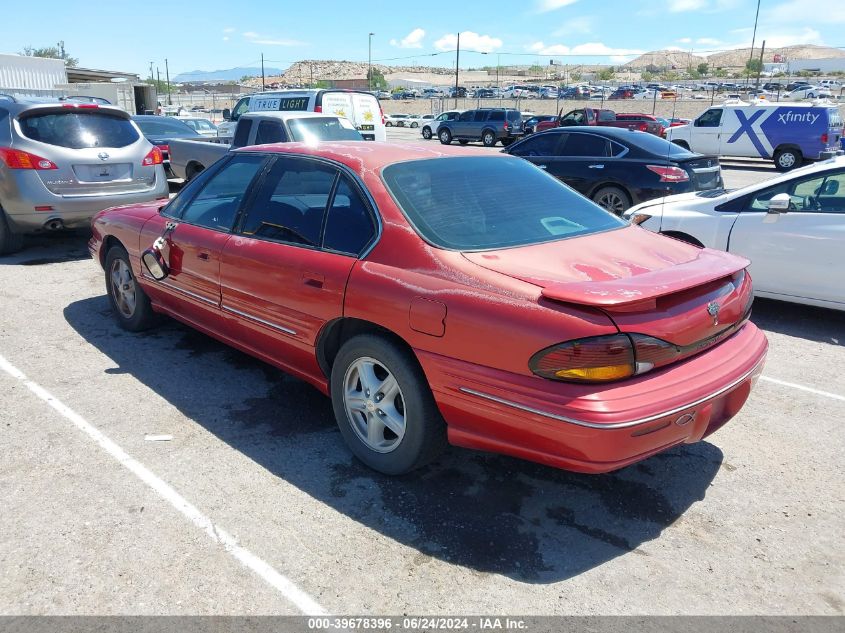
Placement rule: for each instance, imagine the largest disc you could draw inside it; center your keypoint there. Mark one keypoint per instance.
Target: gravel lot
(256, 507)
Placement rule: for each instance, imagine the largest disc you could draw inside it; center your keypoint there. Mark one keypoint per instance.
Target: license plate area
(103, 173)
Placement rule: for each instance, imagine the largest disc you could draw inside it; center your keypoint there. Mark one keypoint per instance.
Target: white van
(361, 108)
(788, 133)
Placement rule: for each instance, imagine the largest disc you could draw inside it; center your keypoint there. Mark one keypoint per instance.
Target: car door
(540, 149)
(581, 161)
(203, 216)
(706, 132)
(284, 273)
(796, 253)
(462, 126)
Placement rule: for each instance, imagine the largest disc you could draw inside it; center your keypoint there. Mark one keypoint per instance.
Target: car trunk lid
(705, 172)
(647, 283)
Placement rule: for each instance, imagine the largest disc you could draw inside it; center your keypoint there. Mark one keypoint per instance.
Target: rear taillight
(164, 148)
(153, 158)
(381, 112)
(669, 173)
(318, 108)
(18, 159)
(824, 138)
(643, 127)
(594, 359)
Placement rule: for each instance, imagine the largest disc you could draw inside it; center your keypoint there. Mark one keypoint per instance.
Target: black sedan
(618, 168)
(160, 130)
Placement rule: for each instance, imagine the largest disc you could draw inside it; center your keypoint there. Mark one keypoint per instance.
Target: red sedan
(442, 295)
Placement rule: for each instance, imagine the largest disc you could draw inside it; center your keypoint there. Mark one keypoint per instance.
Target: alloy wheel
(123, 288)
(612, 202)
(374, 405)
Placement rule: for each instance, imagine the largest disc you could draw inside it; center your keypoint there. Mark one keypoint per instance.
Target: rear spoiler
(639, 292)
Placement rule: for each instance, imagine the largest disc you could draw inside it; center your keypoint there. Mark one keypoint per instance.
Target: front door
(284, 273)
(797, 253)
(203, 221)
(706, 132)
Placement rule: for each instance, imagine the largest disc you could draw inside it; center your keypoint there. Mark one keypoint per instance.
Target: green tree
(606, 74)
(754, 66)
(375, 78)
(322, 83)
(702, 69)
(575, 75)
(693, 73)
(536, 69)
(53, 52)
(646, 75)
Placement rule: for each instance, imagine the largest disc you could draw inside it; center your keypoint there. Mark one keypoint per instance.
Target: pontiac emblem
(713, 310)
(103, 156)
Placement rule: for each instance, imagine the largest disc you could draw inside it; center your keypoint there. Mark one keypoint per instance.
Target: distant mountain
(231, 74)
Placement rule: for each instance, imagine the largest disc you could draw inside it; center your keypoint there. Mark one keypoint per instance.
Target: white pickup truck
(188, 158)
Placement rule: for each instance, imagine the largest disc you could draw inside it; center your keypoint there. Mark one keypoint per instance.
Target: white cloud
(251, 35)
(469, 41)
(820, 12)
(708, 41)
(544, 6)
(225, 38)
(680, 6)
(411, 40)
(582, 25)
(589, 49)
(685, 40)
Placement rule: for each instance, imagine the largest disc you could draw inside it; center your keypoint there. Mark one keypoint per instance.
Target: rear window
(79, 130)
(834, 119)
(164, 126)
(656, 145)
(323, 129)
(518, 204)
(514, 115)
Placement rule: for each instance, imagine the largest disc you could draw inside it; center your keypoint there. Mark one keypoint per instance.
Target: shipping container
(20, 74)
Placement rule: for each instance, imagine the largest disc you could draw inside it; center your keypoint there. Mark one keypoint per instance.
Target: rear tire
(614, 199)
(488, 138)
(9, 242)
(415, 124)
(445, 136)
(394, 431)
(192, 172)
(130, 304)
(426, 133)
(786, 159)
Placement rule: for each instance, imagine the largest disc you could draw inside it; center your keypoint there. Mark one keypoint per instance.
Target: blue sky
(215, 34)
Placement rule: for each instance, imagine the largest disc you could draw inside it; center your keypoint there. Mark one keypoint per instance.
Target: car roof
(17, 105)
(610, 132)
(369, 155)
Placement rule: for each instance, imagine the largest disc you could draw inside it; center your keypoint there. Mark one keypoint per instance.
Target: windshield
(79, 130)
(163, 126)
(314, 129)
(518, 204)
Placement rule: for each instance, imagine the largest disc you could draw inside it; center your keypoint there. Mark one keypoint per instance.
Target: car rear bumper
(71, 211)
(596, 428)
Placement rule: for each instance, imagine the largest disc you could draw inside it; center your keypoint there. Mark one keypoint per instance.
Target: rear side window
(349, 226)
(242, 133)
(314, 129)
(585, 145)
(514, 115)
(79, 130)
(497, 115)
(269, 132)
(480, 115)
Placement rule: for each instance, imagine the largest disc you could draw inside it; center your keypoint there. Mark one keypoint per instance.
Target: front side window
(241, 107)
(538, 145)
(80, 130)
(291, 203)
(711, 118)
(518, 204)
(314, 129)
(216, 205)
(819, 193)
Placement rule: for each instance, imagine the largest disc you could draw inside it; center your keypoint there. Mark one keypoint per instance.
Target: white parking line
(264, 570)
(793, 385)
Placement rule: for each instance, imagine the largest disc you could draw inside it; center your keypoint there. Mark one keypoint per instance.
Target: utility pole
(262, 72)
(370, 62)
(311, 69)
(760, 67)
(753, 39)
(457, 67)
(167, 74)
(151, 71)
(158, 85)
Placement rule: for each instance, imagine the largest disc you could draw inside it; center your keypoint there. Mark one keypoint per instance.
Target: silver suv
(61, 162)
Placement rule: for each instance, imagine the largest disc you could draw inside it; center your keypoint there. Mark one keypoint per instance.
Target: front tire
(445, 136)
(786, 159)
(384, 406)
(130, 304)
(415, 124)
(9, 242)
(614, 199)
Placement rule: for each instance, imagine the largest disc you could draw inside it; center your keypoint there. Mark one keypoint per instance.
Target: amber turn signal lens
(609, 372)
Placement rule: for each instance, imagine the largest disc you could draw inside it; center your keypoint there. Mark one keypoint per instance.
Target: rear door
(366, 113)
(284, 274)
(797, 253)
(581, 161)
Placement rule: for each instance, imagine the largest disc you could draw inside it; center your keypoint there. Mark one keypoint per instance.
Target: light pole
(370, 63)
(457, 66)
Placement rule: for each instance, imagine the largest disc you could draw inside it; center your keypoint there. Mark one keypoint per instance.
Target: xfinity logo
(794, 117)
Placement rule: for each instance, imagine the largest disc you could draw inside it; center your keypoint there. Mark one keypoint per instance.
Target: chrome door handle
(595, 166)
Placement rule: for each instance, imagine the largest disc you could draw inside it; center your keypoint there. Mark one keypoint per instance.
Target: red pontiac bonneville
(443, 294)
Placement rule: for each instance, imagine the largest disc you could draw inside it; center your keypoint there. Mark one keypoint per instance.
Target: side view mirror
(154, 263)
(227, 114)
(779, 203)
